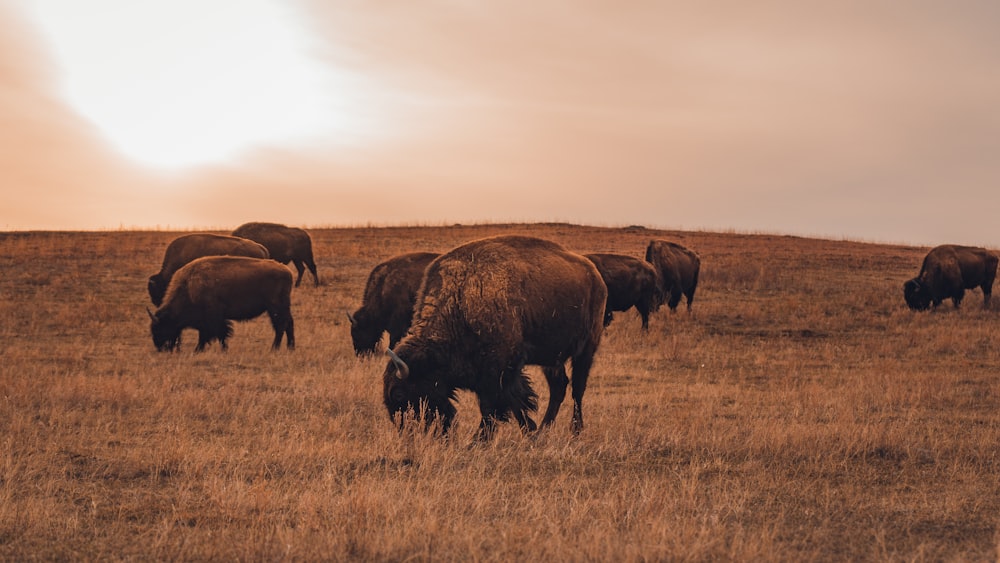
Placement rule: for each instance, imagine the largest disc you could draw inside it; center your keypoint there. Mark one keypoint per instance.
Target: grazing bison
(186, 248)
(387, 305)
(285, 244)
(631, 283)
(484, 311)
(949, 270)
(677, 268)
(209, 292)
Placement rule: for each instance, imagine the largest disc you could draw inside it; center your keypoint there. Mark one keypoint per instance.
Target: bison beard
(485, 310)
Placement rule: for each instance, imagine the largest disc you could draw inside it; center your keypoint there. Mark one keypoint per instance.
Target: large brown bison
(210, 292)
(678, 269)
(387, 305)
(285, 244)
(949, 270)
(484, 311)
(631, 283)
(186, 248)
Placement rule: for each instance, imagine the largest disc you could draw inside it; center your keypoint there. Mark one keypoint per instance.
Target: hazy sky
(869, 120)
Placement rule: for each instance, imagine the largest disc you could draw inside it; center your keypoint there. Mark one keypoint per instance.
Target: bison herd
(473, 317)
(208, 280)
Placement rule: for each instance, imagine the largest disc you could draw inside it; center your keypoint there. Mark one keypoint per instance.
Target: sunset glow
(818, 119)
(178, 84)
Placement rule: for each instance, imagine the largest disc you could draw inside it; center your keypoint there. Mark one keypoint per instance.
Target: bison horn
(402, 370)
(150, 313)
(350, 317)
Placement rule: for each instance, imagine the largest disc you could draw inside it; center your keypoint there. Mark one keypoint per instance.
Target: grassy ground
(801, 413)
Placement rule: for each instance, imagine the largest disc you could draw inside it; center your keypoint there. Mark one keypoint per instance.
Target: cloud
(803, 115)
(846, 119)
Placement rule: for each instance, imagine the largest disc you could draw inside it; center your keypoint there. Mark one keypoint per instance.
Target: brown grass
(801, 413)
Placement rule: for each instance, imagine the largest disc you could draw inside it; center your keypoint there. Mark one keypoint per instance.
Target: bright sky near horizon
(870, 120)
(173, 91)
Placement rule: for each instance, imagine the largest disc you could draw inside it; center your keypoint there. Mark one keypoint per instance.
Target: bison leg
(487, 427)
(490, 411)
(204, 337)
(290, 334)
(689, 292)
(283, 325)
(524, 421)
(556, 377)
(675, 298)
(301, 269)
(956, 298)
(581, 371)
(312, 270)
(643, 309)
(225, 330)
(987, 286)
(219, 331)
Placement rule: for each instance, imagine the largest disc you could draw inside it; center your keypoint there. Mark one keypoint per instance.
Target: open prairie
(801, 413)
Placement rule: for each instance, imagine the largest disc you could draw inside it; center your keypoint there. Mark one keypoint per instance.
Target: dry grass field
(801, 413)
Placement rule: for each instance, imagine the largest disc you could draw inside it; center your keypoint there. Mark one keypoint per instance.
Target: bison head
(166, 334)
(917, 295)
(157, 288)
(364, 334)
(408, 385)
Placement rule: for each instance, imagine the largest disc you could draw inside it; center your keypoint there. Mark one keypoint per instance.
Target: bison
(387, 305)
(210, 292)
(631, 283)
(484, 311)
(186, 248)
(677, 268)
(949, 270)
(285, 244)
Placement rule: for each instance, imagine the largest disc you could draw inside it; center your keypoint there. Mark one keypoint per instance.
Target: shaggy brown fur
(947, 271)
(388, 301)
(209, 292)
(186, 248)
(484, 311)
(678, 269)
(631, 283)
(285, 244)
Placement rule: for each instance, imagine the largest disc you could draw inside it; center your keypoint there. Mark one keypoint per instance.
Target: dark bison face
(406, 387)
(157, 288)
(364, 335)
(166, 335)
(916, 294)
